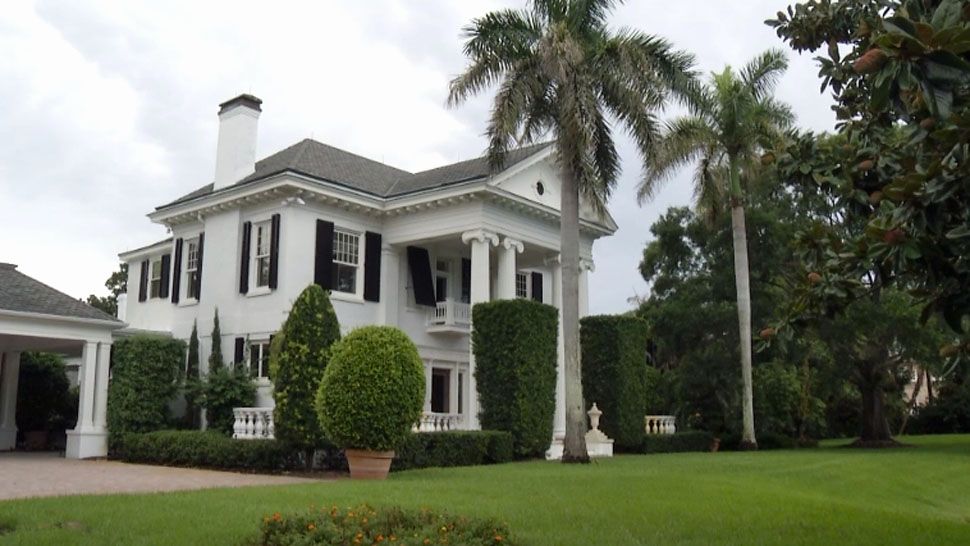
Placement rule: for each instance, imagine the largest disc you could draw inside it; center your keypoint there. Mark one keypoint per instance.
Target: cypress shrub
(297, 364)
(216, 362)
(515, 345)
(144, 378)
(373, 390)
(191, 382)
(614, 357)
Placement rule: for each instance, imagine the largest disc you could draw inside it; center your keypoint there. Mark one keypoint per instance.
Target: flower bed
(367, 525)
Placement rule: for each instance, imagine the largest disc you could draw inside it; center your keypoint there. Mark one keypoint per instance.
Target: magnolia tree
(298, 358)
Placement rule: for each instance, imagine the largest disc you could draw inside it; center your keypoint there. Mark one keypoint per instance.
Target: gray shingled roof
(21, 293)
(318, 160)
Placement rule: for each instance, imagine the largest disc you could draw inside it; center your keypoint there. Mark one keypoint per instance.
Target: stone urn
(369, 465)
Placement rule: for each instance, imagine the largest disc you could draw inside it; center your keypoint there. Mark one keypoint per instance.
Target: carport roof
(23, 294)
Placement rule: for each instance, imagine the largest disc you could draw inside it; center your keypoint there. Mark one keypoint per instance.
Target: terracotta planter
(35, 440)
(369, 465)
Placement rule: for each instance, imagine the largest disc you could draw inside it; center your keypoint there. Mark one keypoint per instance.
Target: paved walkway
(48, 475)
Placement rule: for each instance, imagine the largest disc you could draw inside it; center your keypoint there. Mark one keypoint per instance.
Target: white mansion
(412, 250)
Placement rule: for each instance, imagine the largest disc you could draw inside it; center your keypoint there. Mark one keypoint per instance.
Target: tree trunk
(574, 444)
(875, 427)
(742, 281)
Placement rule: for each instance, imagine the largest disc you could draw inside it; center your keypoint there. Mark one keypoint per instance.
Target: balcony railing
(660, 424)
(437, 422)
(450, 316)
(253, 424)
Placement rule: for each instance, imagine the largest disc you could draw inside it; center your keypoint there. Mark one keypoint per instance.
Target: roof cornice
(110, 324)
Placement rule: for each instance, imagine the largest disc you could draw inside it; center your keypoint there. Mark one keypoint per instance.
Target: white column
(390, 285)
(88, 439)
(585, 267)
(101, 387)
(481, 241)
(9, 375)
(505, 285)
(559, 420)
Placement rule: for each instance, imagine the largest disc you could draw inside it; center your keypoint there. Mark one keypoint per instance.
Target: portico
(35, 317)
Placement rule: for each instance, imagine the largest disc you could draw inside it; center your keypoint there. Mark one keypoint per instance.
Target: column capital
(480, 235)
(587, 264)
(509, 244)
(553, 260)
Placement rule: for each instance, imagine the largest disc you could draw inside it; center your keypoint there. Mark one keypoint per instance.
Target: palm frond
(649, 62)
(761, 74)
(684, 140)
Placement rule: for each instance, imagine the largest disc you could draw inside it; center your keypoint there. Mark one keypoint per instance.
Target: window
(521, 285)
(259, 359)
(442, 273)
(261, 246)
(191, 268)
(155, 279)
(440, 383)
(346, 261)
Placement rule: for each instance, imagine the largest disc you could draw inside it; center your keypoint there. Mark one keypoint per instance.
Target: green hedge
(455, 448)
(614, 357)
(196, 448)
(676, 443)
(144, 379)
(515, 344)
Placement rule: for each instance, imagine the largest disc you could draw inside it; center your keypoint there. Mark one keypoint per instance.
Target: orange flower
(498, 538)
(311, 527)
(277, 517)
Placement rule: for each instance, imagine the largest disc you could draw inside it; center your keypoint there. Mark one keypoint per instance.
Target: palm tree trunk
(742, 282)
(574, 444)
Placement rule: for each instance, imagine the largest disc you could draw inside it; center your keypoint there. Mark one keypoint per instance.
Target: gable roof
(24, 294)
(324, 162)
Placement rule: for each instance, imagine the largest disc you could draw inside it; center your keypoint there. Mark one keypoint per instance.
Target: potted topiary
(370, 397)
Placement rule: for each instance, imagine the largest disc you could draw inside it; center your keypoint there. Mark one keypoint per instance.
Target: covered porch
(35, 317)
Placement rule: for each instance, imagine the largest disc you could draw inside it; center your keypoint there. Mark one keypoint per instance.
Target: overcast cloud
(108, 109)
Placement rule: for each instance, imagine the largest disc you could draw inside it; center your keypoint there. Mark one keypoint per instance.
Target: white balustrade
(253, 424)
(438, 422)
(450, 313)
(660, 424)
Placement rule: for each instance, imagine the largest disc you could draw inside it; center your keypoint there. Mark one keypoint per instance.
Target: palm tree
(732, 121)
(561, 73)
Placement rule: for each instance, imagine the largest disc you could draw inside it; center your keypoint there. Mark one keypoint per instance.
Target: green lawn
(918, 495)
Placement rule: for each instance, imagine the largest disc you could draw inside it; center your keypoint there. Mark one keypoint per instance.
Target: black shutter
(323, 255)
(466, 280)
(240, 350)
(244, 258)
(166, 275)
(177, 271)
(419, 262)
(372, 266)
(274, 251)
(143, 282)
(537, 286)
(198, 268)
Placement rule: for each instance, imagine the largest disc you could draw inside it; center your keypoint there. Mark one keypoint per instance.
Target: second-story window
(191, 267)
(155, 281)
(442, 274)
(262, 233)
(521, 285)
(346, 260)
(259, 359)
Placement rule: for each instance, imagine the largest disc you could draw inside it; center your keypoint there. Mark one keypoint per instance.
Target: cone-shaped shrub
(373, 390)
(297, 364)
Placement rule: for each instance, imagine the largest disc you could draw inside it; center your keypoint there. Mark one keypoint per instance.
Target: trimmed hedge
(373, 390)
(614, 357)
(196, 448)
(454, 448)
(145, 374)
(515, 344)
(691, 440)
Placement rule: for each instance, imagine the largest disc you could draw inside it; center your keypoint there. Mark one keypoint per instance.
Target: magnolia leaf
(958, 232)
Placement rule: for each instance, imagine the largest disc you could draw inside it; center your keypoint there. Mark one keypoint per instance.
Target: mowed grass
(831, 495)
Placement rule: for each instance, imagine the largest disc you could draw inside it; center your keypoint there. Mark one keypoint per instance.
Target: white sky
(108, 109)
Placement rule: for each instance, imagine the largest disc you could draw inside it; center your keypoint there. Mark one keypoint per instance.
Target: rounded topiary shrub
(372, 392)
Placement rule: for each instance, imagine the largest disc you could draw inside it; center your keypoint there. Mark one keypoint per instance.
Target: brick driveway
(48, 474)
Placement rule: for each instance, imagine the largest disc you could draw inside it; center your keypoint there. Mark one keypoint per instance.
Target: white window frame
(526, 289)
(266, 226)
(155, 283)
(358, 292)
(262, 368)
(191, 268)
